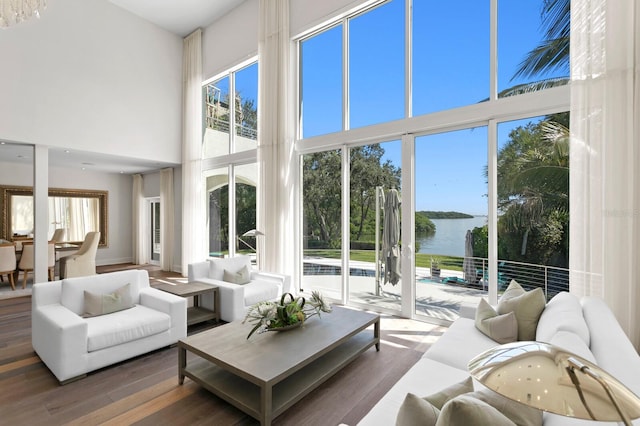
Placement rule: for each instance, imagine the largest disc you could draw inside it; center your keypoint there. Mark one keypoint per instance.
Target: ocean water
(449, 237)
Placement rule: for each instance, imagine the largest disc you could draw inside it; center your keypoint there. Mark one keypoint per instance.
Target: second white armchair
(239, 286)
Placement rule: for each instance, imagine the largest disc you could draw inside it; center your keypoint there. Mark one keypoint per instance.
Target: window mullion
(345, 75)
(493, 49)
(408, 59)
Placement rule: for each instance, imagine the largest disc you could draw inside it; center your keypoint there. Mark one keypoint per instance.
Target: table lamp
(551, 379)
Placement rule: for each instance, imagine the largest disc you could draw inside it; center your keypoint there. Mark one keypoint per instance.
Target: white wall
(90, 76)
(233, 38)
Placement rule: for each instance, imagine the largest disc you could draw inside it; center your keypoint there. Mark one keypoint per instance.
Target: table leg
(216, 303)
(266, 404)
(376, 334)
(182, 363)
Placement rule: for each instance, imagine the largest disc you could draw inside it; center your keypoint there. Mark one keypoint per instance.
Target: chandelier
(15, 11)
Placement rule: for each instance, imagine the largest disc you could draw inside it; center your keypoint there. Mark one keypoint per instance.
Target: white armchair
(236, 299)
(72, 345)
(83, 262)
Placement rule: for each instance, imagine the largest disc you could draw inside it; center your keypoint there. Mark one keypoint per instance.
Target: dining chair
(8, 262)
(27, 260)
(58, 235)
(83, 262)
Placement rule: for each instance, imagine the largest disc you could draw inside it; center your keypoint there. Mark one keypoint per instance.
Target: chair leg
(13, 284)
(24, 280)
(51, 277)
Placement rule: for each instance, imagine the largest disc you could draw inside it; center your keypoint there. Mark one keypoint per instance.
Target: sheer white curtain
(605, 156)
(139, 230)
(166, 219)
(193, 207)
(276, 160)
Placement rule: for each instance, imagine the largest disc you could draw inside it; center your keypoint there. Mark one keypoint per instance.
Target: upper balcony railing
(222, 125)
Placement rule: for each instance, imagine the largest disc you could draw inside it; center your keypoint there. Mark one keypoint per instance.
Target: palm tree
(553, 52)
(533, 182)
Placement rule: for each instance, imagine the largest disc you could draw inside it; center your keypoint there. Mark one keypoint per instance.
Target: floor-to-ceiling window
(425, 75)
(451, 213)
(230, 171)
(321, 223)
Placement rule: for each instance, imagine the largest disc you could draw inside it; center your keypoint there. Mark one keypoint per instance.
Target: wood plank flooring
(145, 390)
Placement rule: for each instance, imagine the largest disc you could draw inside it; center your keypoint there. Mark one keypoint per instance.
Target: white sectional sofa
(72, 345)
(236, 299)
(586, 327)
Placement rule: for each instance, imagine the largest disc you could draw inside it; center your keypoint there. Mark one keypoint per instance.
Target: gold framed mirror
(78, 211)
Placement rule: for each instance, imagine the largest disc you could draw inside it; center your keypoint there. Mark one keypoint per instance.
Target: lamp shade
(551, 379)
(252, 233)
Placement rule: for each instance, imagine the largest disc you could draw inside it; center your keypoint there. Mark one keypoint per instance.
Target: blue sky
(450, 69)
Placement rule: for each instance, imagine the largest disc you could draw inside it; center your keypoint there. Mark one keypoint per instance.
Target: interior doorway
(154, 212)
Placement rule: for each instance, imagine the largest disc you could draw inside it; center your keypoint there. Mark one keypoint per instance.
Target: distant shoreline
(446, 215)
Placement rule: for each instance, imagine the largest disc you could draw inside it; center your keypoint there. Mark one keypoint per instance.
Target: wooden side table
(197, 313)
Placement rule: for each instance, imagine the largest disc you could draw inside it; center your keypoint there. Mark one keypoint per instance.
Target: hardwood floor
(145, 390)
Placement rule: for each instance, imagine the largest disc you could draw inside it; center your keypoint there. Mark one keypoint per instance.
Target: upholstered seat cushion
(259, 291)
(468, 341)
(125, 326)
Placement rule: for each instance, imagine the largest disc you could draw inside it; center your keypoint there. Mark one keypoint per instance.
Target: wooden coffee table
(196, 313)
(268, 373)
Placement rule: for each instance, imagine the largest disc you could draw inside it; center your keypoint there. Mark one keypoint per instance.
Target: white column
(41, 211)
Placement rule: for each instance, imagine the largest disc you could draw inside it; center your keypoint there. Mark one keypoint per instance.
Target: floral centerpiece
(291, 312)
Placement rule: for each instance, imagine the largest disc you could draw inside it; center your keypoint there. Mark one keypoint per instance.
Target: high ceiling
(180, 17)
(79, 160)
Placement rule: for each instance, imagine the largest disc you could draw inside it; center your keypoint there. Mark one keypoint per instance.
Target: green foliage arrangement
(290, 312)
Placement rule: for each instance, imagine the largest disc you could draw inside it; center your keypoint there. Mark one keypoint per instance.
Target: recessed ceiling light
(67, 151)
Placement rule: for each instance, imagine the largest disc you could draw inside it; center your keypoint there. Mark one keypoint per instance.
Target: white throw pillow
(242, 276)
(101, 304)
(501, 328)
(526, 305)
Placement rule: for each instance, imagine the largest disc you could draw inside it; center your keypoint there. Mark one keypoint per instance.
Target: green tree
(322, 192)
(424, 224)
(552, 53)
(533, 192)
(368, 171)
(322, 197)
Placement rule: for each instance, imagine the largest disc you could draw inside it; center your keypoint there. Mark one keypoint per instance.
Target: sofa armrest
(170, 304)
(46, 293)
(231, 295)
(283, 280)
(59, 337)
(198, 270)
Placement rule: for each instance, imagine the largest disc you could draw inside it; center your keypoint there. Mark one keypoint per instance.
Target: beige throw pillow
(520, 414)
(100, 304)
(438, 399)
(416, 411)
(501, 328)
(466, 410)
(526, 305)
(242, 276)
(425, 411)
